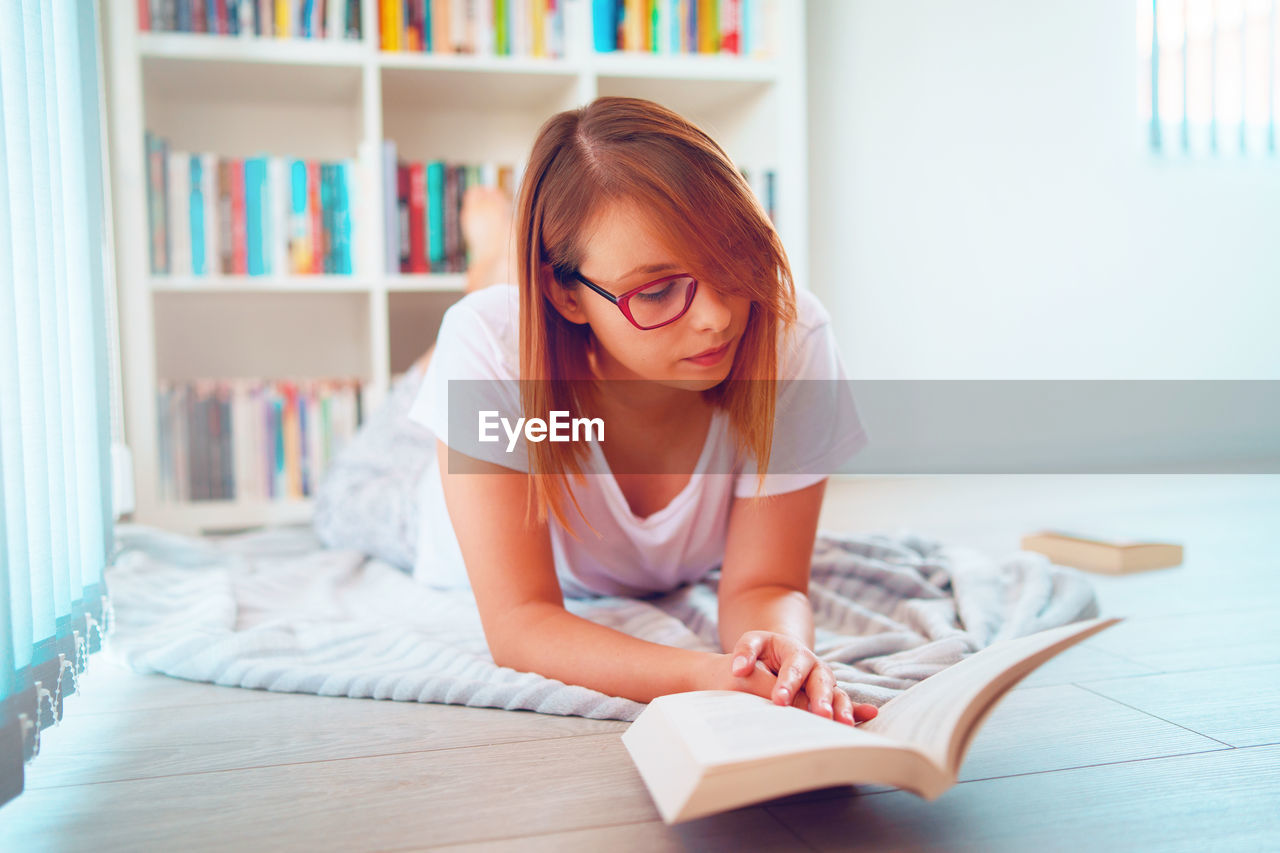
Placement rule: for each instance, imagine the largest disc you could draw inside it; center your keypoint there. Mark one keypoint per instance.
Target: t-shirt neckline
(612, 487)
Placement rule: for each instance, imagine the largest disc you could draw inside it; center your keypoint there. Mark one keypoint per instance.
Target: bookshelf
(332, 99)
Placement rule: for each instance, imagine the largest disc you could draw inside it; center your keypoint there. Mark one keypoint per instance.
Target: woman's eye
(657, 294)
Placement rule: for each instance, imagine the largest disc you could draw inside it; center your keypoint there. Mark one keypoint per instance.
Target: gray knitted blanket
(272, 610)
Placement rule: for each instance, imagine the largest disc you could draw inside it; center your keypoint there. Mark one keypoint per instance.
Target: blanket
(273, 610)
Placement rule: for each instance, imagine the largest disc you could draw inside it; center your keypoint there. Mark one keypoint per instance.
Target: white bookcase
(243, 96)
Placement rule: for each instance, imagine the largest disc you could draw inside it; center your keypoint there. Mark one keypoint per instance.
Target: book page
(726, 726)
(940, 714)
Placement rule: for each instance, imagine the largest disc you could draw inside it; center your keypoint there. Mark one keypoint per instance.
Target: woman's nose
(709, 310)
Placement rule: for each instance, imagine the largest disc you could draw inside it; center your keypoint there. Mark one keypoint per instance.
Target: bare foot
(486, 226)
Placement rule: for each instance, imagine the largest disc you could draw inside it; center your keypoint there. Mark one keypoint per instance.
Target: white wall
(982, 206)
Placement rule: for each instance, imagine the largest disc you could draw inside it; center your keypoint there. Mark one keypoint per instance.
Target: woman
(655, 296)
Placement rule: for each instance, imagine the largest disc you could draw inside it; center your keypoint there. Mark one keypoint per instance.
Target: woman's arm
(765, 614)
(765, 578)
(513, 577)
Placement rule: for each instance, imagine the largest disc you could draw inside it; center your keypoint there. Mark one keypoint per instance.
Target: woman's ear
(565, 300)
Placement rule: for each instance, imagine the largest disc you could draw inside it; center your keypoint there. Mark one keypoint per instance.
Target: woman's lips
(710, 358)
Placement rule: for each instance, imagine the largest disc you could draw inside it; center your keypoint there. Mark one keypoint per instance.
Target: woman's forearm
(766, 608)
(547, 639)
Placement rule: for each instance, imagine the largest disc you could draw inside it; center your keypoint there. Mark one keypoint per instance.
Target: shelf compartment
(201, 334)
(413, 320)
(477, 85)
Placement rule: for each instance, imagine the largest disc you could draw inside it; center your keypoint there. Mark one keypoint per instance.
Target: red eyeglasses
(651, 305)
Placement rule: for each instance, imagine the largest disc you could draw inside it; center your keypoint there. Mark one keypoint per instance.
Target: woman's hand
(800, 673)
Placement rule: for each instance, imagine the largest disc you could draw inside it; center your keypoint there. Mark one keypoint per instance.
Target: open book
(711, 750)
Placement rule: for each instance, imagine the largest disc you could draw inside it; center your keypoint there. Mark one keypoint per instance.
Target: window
(1207, 82)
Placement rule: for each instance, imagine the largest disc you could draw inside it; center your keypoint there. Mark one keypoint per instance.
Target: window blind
(55, 405)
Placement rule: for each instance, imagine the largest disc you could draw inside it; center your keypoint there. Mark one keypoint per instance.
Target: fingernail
(784, 694)
(739, 662)
(826, 707)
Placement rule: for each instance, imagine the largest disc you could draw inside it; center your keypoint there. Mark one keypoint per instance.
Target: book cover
(1105, 556)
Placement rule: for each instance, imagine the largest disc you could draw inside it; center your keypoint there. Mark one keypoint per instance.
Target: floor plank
(1080, 662)
(1244, 636)
(1239, 705)
(442, 797)
(1052, 728)
(297, 728)
(729, 831)
(106, 687)
(1223, 800)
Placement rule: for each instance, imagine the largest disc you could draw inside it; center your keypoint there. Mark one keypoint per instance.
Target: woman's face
(622, 253)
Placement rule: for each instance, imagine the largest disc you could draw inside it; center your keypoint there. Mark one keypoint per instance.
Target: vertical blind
(55, 417)
(1209, 76)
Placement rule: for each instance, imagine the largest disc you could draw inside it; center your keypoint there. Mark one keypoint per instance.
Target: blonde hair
(636, 151)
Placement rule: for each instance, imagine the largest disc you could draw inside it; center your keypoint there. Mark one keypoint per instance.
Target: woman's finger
(745, 654)
(791, 677)
(863, 712)
(820, 686)
(843, 707)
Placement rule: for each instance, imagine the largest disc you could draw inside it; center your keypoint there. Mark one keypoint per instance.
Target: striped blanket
(272, 610)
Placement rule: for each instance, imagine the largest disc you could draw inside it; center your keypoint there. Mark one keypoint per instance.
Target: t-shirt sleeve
(816, 425)
(468, 388)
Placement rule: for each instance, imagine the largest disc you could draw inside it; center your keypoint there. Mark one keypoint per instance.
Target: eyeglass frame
(624, 300)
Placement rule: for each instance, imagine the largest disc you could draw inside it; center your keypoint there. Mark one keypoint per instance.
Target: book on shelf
(478, 27)
(727, 27)
(704, 752)
(307, 19)
(251, 439)
(423, 207)
(256, 216)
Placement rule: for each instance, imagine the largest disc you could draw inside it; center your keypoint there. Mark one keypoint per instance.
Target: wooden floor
(1162, 733)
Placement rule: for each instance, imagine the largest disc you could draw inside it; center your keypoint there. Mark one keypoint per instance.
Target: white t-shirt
(679, 543)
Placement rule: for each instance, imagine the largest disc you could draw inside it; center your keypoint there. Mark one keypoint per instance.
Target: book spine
(163, 461)
(195, 213)
(538, 27)
(239, 235)
(151, 147)
(225, 262)
(391, 223)
(333, 28)
(179, 412)
(253, 224)
(435, 216)
(144, 15)
(299, 232)
(729, 26)
(501, 28)
(316, 212)
(179, 207)
(304, 442)
(417, 207)
(402, 216)
(293, 478)
(346, 229)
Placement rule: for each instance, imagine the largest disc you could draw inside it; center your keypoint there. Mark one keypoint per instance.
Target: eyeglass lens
(661, 302)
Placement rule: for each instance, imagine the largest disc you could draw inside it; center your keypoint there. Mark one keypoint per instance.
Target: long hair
(636, 151)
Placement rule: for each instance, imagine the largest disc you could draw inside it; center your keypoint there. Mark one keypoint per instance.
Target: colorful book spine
(195, 214)
(255, 175)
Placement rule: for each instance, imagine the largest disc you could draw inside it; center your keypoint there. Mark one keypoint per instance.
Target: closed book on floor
(1102, 555)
